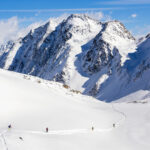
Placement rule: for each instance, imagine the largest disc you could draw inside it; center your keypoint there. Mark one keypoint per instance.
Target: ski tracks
(123, 118)
(66, 132)
(3, 140)
(63, 132)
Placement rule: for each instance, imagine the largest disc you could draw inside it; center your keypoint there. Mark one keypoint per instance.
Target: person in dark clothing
(9, 126)
(114, 125)
(92, 128)
(21, 138)
(46, 129)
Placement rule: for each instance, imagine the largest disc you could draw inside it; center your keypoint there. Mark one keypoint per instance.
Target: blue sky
(134, 14)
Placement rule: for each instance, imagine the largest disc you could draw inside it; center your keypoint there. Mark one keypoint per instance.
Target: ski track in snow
(121, 121)
(118, 123)
(3, 140)
(65, 132)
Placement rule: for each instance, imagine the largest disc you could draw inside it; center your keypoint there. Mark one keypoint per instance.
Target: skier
(9, 126)
(46, 129)
(114, 125)
(21, 138)
(92, 128)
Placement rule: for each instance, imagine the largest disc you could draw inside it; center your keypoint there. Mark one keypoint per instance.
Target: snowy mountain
(54, 59)
(138, 67)
(100, 59)
(95, 58)
(134, 75)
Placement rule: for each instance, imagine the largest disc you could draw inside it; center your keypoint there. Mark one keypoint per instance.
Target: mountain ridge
(90, 56)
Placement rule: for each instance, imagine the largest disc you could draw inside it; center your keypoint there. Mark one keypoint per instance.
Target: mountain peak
(116, 27)
(80, 27)
(80, 16)
(116, 35)
(80, 20)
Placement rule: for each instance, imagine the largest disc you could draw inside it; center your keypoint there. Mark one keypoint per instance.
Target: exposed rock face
(4, 51)
(85, 54)
(107, 43)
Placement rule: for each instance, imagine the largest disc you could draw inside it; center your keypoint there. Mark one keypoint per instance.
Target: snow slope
(47, 106)
(31, 104)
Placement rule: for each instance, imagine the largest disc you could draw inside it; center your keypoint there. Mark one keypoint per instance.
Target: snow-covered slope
(85, 54)
(48, 104)
(138, 68)
(31, 104)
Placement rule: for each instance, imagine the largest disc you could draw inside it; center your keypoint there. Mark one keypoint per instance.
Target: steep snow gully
(65, 132)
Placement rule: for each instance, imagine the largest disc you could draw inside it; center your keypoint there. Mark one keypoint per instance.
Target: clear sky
(134, 14)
